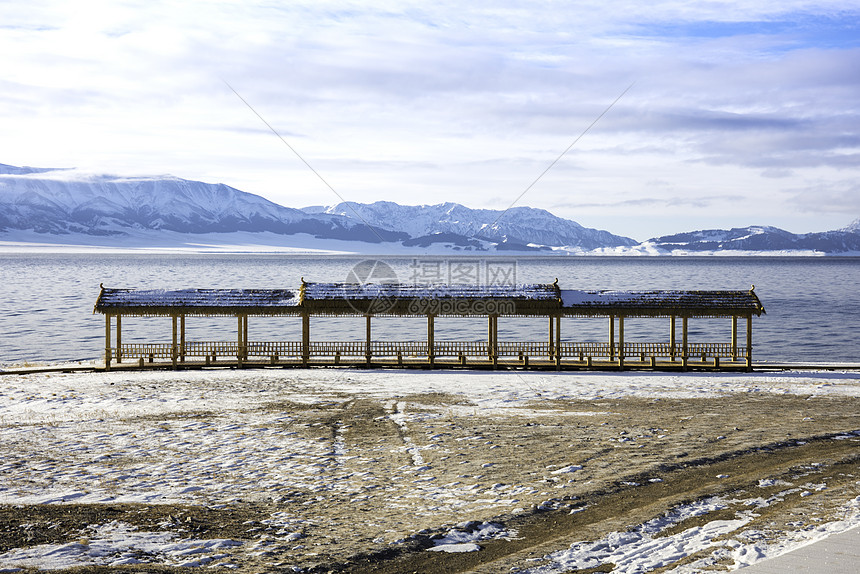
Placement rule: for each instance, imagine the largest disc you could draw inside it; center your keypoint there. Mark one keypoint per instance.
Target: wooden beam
(621, 342)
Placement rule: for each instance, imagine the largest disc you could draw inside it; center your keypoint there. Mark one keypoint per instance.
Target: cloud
(698, 202)
(438, 101)
(777, 173)
(840, 197)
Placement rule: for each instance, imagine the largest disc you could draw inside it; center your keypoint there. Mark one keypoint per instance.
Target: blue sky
(739, 113)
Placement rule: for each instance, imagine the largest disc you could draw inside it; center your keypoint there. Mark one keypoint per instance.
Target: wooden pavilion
(426, 303)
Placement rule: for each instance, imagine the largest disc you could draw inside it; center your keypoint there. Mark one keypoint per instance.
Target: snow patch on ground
(647, 547)
(464, 537)
(116, 544)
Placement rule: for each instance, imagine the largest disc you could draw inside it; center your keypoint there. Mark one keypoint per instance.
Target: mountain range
(517, 228)
(65, 206)
(762, 238)
(60, 202)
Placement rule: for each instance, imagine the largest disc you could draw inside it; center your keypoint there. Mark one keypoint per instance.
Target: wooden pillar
(734, 337)
(493, 333)
(306, 338)
(239, 339)
(490, 337)
(242, 326)
(431, 339)
(119, 338)
(174, 350)
(551, 337)
(749, 342)
(495, 338)
(558, 342)
(367, 350)
(108, 349)
(685, 351)
(182, 338)
(672, 331)
(621, 342)
(245, 336)
(612, 337)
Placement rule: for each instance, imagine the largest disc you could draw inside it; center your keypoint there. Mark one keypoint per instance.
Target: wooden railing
(461, 348)
(150, 351)
(511, 349)
(419, 349)
(404, 348)
(644, 350)
(274, 349)
(581, 351)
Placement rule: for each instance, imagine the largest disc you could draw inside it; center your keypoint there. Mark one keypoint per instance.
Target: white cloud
(427, 102)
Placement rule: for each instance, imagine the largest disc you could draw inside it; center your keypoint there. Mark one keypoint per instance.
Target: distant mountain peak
(526, 226)
(759, 238)
(853, 227)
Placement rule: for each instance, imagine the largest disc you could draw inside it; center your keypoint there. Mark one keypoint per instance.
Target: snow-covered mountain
(64, 202)
(56, 201)
(44, 205)
(762, 238)
(455, 223)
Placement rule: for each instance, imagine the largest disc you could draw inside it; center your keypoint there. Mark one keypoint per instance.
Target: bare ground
(639, 458)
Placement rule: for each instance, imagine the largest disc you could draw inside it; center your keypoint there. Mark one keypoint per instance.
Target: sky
(674, 116)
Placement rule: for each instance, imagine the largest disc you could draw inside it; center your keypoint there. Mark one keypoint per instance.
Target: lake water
(47, 299)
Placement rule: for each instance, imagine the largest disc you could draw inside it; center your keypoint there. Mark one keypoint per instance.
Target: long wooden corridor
(427, 303)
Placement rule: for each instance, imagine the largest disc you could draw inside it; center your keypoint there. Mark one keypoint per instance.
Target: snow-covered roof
(357, 291)
(443, 300)
(197, 301)
(661, 302)
(404, 299)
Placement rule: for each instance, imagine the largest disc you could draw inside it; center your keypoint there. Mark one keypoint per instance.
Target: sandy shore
(389, 471)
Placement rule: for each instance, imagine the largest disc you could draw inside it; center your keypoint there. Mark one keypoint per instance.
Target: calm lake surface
(47, 300)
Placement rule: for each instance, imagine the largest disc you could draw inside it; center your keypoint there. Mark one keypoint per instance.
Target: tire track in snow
(398, 416)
